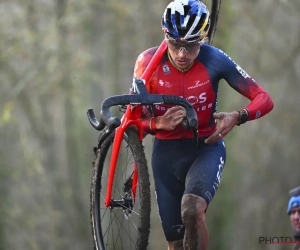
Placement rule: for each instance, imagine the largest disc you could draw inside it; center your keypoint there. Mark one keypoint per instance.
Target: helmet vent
(186, 9)
(200, 24)
(169, 21)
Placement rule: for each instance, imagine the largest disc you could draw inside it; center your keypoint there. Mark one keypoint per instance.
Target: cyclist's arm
(260, 101)
(148, 121)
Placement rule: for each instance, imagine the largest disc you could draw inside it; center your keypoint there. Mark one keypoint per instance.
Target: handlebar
(143, 97)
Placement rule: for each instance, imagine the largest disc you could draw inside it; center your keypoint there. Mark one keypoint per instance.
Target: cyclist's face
(295, 218)
(183, 53)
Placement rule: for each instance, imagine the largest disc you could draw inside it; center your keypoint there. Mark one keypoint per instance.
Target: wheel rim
(116, 227)
(214, 8)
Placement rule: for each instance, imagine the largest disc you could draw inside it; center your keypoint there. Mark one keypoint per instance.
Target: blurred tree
(264, 156)
(59, 58)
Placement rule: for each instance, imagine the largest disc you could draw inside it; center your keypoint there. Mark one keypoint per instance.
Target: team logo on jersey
(242, 72)
(168, 85)
(166, 69)
(208, 195)
(257, 114)
(197, 99)
(198, 84)
(179, 228)
(226, 55)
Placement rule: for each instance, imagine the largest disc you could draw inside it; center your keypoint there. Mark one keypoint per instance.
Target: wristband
(243, 116)
(152, 124)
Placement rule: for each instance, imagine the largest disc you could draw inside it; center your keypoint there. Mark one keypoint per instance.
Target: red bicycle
(120, 187)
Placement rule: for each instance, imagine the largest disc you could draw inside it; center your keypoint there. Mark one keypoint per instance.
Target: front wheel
(126, 224)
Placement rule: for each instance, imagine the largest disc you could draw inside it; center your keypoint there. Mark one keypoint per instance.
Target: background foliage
(59, 58)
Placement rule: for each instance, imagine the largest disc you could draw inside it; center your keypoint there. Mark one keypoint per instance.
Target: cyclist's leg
(202, 182)
(175, 245)
(171, 161)
(193, 216)
(166, 156)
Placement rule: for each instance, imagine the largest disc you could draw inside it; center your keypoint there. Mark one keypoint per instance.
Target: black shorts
(181, 168)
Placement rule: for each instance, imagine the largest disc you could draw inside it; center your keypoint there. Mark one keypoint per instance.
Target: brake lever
(185, 124)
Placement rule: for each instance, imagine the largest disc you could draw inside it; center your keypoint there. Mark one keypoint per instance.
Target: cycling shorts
(181, 168)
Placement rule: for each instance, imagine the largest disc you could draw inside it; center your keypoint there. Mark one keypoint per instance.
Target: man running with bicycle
(187, 177)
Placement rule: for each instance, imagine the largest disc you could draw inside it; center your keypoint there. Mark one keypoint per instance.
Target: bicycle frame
(132, 116)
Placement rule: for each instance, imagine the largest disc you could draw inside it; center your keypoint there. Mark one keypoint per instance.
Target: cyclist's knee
(192, 207)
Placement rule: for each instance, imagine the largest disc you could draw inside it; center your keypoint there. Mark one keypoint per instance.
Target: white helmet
(186, 20)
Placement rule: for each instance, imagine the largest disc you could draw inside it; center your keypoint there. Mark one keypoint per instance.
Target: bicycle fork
(115, 153)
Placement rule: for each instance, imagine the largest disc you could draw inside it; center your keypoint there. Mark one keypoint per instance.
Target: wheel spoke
(120, 224)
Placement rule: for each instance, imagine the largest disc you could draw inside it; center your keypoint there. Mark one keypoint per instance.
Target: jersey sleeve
(140, 65)
(260, 101)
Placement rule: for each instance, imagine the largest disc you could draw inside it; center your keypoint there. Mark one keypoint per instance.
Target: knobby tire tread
(215, 9)
(143, 186)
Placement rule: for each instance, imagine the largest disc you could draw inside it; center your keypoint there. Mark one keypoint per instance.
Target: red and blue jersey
(199, 85)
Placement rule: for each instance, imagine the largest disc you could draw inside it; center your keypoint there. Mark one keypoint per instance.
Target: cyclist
(187, 177)
(294, 214)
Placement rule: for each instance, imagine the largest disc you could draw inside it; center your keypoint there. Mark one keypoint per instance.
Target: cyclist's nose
(182, 51)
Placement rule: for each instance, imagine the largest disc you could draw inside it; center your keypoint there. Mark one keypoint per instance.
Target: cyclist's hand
(171, 118)
(227, 122)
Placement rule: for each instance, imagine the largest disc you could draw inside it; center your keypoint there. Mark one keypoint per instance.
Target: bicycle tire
(108, 233)
(214, 8)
